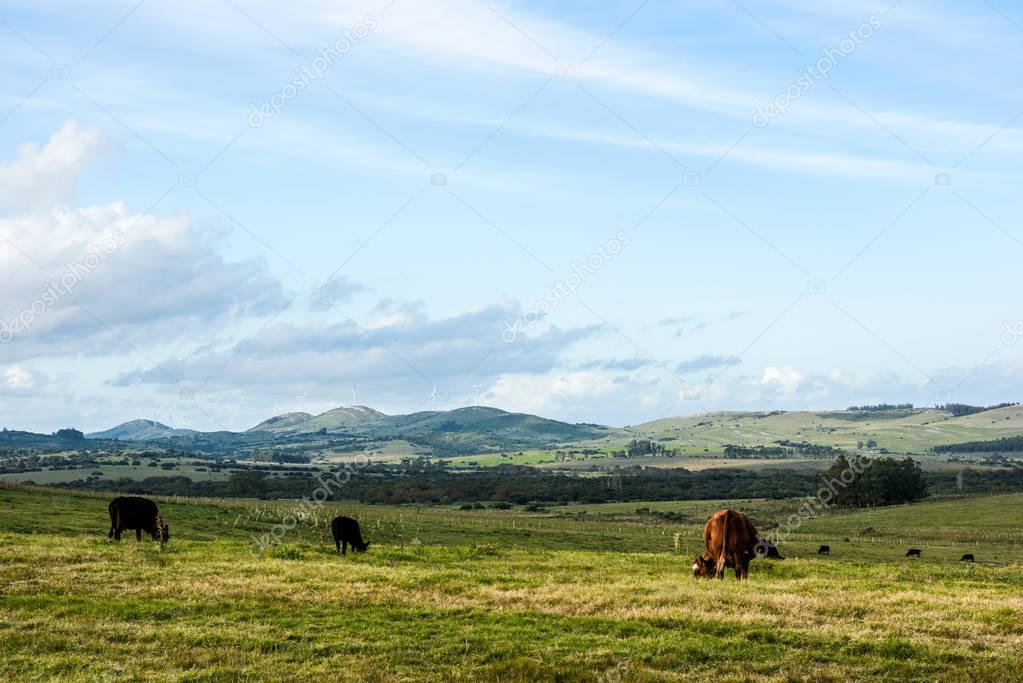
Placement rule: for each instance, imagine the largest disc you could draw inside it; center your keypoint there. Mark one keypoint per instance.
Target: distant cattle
(347, 532)
(731, 542)
(139, 514)
(913, 552)
(824, 550)
(968, 558)
(765, 548)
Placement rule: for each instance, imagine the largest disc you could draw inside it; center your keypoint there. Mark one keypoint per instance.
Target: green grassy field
(595, 593)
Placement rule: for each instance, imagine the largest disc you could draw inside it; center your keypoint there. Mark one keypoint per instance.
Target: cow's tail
(723, 555)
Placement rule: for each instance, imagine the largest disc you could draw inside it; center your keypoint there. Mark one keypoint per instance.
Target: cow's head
(703, 567)
(364, 548)
(160, 531)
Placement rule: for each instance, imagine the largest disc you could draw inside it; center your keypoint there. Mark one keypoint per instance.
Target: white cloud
(46, 176)
(787, 378)
(17, 377)
(73, 276)
(589, 395)
(399, 359)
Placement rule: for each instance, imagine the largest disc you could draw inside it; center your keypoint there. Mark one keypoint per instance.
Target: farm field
(592, 593)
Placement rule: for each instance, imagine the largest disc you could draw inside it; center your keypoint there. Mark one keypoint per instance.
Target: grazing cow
(968, 558)
(766, 548)
(824, 550)
(346, 531)
(913, 552)
(731, 542)
(139, 514)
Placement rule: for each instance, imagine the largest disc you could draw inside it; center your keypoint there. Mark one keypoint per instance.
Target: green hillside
(913, 431)
(281, 422)
(141, 430)
(355, 418)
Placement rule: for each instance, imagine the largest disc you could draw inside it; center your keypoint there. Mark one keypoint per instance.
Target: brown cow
(731, 542)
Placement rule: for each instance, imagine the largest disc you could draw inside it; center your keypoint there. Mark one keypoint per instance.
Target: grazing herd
(732, 542)
(731, 539)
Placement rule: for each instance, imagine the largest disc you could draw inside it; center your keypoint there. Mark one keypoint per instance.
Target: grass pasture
(592, 593)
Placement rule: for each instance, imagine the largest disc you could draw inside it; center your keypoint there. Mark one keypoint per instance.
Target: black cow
(346, 531)
(139, 514)
(824, 550)
(968, 558)
(768, 549)
(913, 552)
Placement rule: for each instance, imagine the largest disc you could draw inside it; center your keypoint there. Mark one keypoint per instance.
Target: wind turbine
(355, 393)
(301, 401)
(477, 387)
(434, 396)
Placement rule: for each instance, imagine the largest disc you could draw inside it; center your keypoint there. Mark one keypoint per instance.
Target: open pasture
(593, 593)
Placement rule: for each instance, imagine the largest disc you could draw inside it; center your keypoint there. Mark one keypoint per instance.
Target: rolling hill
(454, 432)
(281, 422)
(356, 418)
(140, 430)
(901, 431)
(480, 430)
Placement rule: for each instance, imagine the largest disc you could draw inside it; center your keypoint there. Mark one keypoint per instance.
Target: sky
(213, 212)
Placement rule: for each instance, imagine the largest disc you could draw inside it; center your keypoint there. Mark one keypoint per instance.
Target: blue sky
(605, 213)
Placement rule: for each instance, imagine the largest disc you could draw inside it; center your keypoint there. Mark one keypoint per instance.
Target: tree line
(881, 407)
(854, 481)
(961, 409)
(858, 482)
(1007, 444)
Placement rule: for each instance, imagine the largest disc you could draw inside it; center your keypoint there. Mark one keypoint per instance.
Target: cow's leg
(344, 547)
(338, 544)
(117, 533)
(138, 534)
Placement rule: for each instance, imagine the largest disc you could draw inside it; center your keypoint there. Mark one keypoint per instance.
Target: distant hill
(284, 421)
(481, 430)
(49, 442)
(357, 418)
(489, 421)
(140, 430)
(465, 430)
(899, 430)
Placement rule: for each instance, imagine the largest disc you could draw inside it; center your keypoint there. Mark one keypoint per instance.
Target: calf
(913, 552)
(731, 542)
(139, 514)
(824, 550)
(346, 531)
(968, 558)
